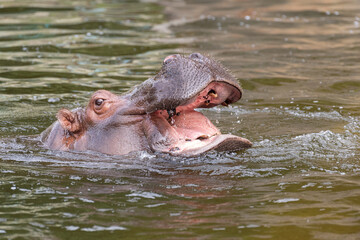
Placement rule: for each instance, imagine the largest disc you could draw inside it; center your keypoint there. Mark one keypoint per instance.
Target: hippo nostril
(170, 58)
(196, 55)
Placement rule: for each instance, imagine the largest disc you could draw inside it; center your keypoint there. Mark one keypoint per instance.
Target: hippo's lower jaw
(223, 142)
(187, 132)
(157, 115)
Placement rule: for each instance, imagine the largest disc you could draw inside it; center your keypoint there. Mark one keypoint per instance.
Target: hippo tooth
(213, 94)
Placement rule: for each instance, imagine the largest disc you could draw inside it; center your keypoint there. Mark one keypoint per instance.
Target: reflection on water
(297, 62)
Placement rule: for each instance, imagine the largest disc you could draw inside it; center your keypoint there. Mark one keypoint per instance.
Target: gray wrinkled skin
(179, 80)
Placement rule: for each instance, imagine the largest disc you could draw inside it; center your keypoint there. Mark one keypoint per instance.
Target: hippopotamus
(157, 116)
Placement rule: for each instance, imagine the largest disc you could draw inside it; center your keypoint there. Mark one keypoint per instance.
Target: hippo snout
(158, 115)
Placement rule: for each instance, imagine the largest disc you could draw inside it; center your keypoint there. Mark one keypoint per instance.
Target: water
(298, 64)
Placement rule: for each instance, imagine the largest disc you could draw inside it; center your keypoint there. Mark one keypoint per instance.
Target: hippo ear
(69, 120)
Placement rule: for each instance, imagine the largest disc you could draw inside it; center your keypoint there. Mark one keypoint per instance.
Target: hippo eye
(99, 101)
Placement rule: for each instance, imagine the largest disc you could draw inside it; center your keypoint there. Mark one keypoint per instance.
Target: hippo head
(157, 115)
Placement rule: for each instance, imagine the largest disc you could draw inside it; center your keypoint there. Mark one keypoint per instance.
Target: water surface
(298, 64)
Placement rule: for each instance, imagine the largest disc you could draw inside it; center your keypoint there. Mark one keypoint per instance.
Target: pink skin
(119, 125)
(191, 129)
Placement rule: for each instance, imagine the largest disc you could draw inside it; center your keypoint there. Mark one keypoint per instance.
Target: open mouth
(191, 130)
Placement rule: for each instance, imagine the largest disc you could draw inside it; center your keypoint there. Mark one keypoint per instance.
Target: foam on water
(311, 149)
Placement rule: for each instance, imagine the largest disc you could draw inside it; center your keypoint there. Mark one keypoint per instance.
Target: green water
(298, 62)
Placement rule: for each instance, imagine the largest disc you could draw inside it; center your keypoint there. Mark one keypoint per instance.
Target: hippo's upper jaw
(158, 115)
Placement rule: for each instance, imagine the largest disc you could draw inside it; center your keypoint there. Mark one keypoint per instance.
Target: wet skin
(157, 115)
